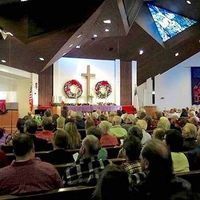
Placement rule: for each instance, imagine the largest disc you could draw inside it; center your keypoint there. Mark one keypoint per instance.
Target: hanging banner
(195, 85)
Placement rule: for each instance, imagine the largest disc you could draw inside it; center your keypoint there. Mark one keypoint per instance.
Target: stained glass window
(168, 23)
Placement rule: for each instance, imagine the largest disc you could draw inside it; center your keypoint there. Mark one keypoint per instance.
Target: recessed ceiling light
(79, 36)
(107, 21)
(95, 35)
(70, 45)
(78, 46)
(3, 61)
(42, 59)
(188, 2)
(23, 0)
(177, 54)
(107, 30)
(64, 54)
(141, 52)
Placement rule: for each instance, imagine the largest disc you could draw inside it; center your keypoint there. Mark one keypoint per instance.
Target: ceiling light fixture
(189, 2)
(141, 52)
(107, 21)
(42, 59)
(177, 54)
(3, 61)
(107, 30)
(95, 35)
(70, 45)
(79, 36)
(78, 46)
(23, 0)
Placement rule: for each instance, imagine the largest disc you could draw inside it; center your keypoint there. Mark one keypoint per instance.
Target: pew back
(193, 177)
(72, 193)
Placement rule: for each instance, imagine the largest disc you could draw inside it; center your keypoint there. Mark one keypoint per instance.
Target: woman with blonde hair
(143, 125)
(89, 122)
(106, 138)
(164, 123)
(129, 120)
(74, 135)
(189, 133)
(60, 122)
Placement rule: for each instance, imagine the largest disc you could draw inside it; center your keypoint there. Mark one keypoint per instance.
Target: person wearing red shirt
(27, 174)
(107, 139)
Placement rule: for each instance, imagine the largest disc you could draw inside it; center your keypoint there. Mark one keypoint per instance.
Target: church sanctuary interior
(99, 99)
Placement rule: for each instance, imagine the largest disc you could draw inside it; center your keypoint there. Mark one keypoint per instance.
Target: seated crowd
(153, 149)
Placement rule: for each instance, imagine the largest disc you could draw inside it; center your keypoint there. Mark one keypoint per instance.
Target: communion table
(90, 108)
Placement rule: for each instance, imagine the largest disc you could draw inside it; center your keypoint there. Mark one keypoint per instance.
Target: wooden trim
(126, 83)
(46, 86)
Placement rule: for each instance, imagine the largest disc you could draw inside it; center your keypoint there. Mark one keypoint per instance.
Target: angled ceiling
(53, 29)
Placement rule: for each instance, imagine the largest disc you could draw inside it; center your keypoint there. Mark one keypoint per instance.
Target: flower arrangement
(103, 89)
(73, 89)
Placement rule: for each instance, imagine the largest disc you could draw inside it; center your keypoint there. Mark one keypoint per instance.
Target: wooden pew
(62, 167)
(194, 159)
(117, 161)
(41, 154)
(7, 148)
(113, 152)
(72, 193)
(193, 177)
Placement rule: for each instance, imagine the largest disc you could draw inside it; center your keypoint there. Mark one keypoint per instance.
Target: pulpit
(9, 116)
(41, 109)
(151, 110)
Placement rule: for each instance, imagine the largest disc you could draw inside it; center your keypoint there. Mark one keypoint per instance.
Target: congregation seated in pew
(40, 144)
(86, 170)
(59, 155)
(93, 130)
(113, 184)
(157, 180)
(107, 139)
(131, 148)
(66, 168)
(174, 140)
(27, 174)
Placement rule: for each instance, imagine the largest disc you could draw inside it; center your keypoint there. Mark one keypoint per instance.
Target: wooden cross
(88, 76)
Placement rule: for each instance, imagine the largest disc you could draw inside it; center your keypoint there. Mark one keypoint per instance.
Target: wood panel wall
(9, 121)
(46, 86)
(125, 83)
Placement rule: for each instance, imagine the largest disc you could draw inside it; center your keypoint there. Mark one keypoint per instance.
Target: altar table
(2, 106)
(90, 108)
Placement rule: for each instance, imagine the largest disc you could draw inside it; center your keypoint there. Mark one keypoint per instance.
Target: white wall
(66, 69)
(173, 88)
(15, 87)
(8, 87)
(145, 93)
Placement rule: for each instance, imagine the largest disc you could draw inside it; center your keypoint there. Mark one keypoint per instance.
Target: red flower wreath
(103, 89)
(73, 89)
